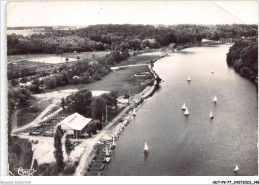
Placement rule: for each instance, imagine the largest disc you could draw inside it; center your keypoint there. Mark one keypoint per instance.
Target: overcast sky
(131, 12)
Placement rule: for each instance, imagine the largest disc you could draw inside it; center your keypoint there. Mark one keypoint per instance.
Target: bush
(69, 170)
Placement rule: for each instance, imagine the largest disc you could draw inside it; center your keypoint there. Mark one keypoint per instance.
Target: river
(194, 145)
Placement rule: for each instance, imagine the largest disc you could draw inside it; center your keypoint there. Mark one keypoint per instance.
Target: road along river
(192, 145)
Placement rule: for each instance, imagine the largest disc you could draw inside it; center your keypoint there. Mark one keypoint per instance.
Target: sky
(83, 13)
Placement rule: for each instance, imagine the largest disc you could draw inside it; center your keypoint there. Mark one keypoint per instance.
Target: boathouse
(75, 124)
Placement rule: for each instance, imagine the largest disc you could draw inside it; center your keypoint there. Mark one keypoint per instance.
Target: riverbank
(194, 145)
(124, 80)
(116, 126)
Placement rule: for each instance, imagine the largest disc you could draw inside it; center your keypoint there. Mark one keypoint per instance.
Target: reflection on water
(192, 145)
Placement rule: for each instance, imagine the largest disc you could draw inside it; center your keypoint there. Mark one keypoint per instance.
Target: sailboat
(145, 147)
(107, 155)
(113, 144)
(212, 71)
(184, 107)
(215, 99)
(211, 115)
(186, 113)
(134, 114)
(189, 78)
(236, 168)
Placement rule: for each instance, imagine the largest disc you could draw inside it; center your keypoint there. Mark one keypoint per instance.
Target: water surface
(192, 145)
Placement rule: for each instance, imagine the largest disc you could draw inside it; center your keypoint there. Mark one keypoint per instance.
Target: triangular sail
(146, 147)
(186, 113)
(215, 99)
(236, 168)
(184, 107)
(189, 78)
(211, 114)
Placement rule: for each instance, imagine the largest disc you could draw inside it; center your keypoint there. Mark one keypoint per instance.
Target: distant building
(74, 124)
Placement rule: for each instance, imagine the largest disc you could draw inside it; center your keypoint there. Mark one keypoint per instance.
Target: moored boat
(113, 144)
(134, 114)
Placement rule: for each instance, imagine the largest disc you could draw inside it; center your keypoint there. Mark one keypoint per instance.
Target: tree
(80, 102)
(63, 103)
(68, 146)
(91, 128)
(78, 58)
(50, 82)
(58, 153)
(67, 60)
(35, 164)
(20, 153)
(98, 107)
(98, 124)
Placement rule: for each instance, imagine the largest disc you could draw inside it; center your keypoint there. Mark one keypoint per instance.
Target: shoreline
(119, 122)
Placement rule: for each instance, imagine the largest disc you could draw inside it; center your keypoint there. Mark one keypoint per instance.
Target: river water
(192, 145)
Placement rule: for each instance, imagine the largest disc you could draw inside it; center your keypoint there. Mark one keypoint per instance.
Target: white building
(74, 124)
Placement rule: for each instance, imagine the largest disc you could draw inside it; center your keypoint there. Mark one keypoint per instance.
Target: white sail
(186, 113)
(145, 147)
(107, 152)
(236, 168)
(189, 78)
(113, 143)
(211, 114)
(107, 159)
(215, 99)
(184, 107)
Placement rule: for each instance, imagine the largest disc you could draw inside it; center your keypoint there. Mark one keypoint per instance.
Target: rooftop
(74, 122)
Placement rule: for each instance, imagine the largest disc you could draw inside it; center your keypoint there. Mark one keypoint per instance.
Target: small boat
(146, 149)
(186, 113)
(236, 168)
(215, 99)
(113, 144)
(107, 159)
(134, 114)
(184, 107)
(189, 78)
(212, 71)
(211, 115)
(107, 152)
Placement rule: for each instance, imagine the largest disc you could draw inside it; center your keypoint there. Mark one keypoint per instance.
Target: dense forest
(243, 57)
(121, 37)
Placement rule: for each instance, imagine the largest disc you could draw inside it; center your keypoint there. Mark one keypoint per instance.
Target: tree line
(121, 37)
(243, 57)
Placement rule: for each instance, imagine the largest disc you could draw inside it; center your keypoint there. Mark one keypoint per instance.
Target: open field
(82, 55)
(26, 115)
(122, 80)
(140, 59)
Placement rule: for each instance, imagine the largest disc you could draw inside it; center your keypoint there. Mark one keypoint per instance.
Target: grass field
(27, 115)
(85, 55)
(122, 80)
(140, 59)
